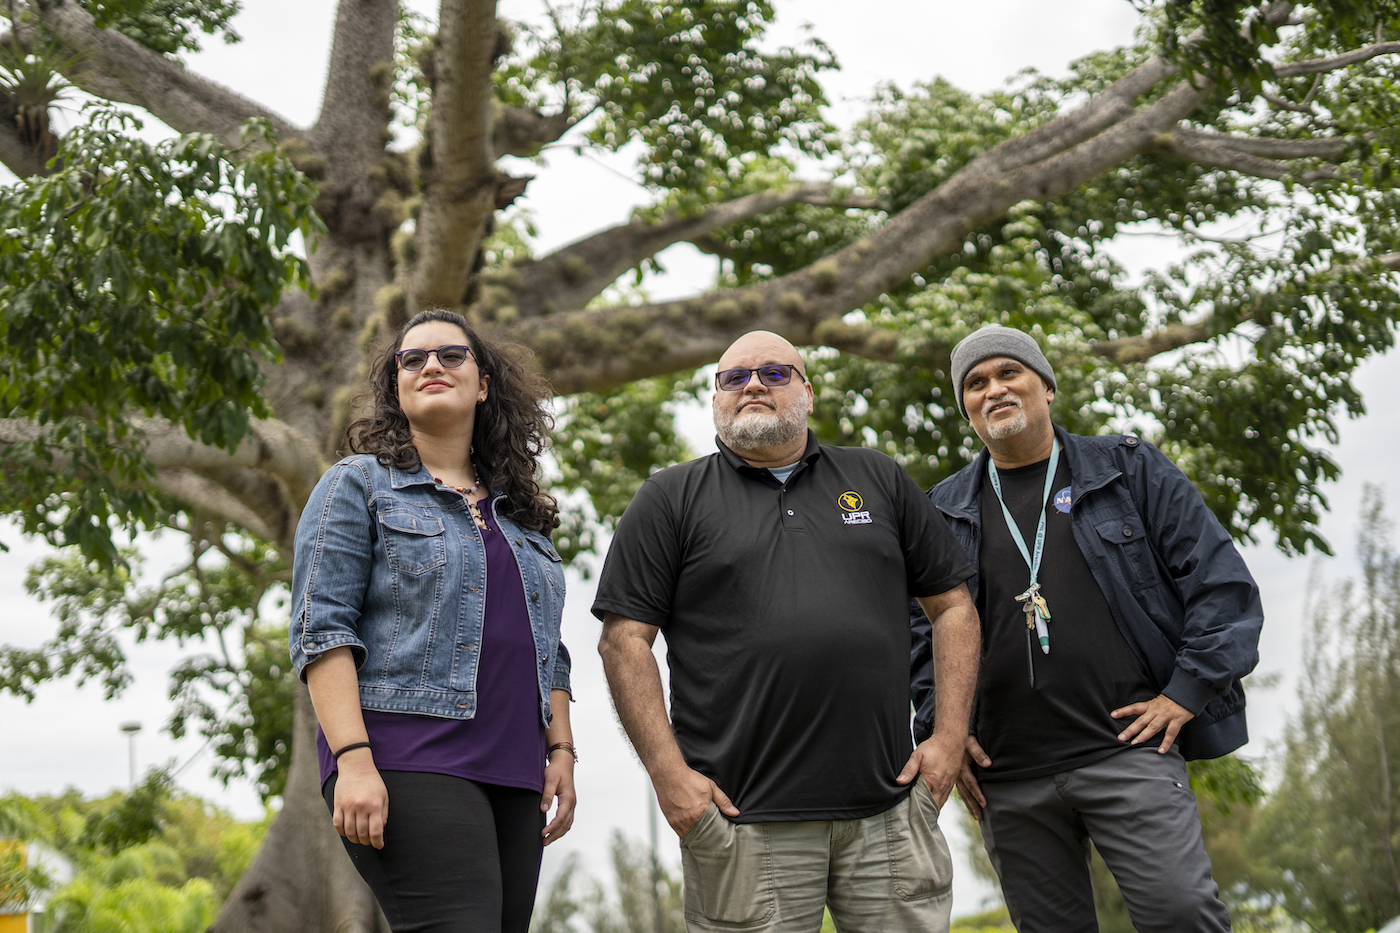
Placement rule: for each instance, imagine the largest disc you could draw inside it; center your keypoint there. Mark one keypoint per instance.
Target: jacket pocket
(413, 542)
(1127, 545)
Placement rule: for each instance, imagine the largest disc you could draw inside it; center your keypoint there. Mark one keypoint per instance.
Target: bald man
(778, 569)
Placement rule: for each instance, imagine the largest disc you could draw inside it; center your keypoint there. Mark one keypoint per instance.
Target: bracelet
(567, 746)
(349, 748)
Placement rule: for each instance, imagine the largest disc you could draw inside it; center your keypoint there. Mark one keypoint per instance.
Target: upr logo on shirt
(850, 502)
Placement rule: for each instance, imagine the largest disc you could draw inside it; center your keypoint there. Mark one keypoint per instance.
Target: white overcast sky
(68, 736)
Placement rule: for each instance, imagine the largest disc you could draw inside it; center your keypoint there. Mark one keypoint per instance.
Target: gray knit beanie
(994, 340)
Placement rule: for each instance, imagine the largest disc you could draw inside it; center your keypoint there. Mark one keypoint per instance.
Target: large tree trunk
(301, 880)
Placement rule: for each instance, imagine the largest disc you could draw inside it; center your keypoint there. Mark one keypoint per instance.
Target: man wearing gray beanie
(1100, 549)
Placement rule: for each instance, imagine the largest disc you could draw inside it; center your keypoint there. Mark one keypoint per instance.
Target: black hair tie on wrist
(349, 748)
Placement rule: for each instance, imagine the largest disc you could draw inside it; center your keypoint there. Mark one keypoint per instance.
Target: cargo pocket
(920, 864)
(728, 872)
(413, 543)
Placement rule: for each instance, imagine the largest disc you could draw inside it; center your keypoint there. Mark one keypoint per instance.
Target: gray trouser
(1138, 809)
(887, 873)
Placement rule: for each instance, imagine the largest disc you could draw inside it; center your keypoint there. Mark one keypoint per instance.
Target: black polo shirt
(785, 608)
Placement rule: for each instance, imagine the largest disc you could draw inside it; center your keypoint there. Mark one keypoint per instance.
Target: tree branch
(460, 181)
(118, 69)
(355, 106)
(272, 448)
(261, 485)
(1325, 148)
(1206, 150)
(1107, 109)
(1321, 65)
(16, 154)
(211, 500)
(595, 349)
(573, 275)
(1142, 348)
(519, 132)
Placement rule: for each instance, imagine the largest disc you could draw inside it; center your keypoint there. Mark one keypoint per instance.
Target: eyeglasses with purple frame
(774, 374)
(450, 356)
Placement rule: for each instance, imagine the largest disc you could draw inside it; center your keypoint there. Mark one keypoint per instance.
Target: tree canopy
(171, 360)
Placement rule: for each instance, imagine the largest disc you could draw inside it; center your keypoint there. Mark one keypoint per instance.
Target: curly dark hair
(511, 430)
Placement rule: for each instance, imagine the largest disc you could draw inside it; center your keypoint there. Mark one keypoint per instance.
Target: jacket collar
(1089, 464)
(400, 479)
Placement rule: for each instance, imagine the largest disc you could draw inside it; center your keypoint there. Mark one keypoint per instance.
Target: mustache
(761, 401)
(1000, 400)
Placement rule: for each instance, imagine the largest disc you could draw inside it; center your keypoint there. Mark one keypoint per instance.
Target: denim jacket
(392, 565)
(1175, 583)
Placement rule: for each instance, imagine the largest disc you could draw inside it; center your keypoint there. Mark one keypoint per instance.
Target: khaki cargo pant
(887, 873)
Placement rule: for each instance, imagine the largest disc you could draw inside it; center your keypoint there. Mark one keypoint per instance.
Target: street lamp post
(131, 728)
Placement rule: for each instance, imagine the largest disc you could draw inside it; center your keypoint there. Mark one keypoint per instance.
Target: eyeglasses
(776, 374)
(450, 357)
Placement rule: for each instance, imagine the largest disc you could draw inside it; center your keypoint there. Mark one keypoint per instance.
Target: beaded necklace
(474, 506)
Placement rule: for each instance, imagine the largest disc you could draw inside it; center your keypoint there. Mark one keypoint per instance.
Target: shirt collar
(810, 455)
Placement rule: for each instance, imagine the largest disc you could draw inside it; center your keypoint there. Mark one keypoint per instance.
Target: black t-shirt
(1063, 721)
(786, 619)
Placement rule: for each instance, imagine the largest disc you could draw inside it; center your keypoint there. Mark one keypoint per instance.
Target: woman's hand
(559, 784)
(361, 800)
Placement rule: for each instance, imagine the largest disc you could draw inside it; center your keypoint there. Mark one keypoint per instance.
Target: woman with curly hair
(427, 599)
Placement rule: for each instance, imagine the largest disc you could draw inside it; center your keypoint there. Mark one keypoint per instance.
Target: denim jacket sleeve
(1219, 639)
(331, 566)
(563, 667)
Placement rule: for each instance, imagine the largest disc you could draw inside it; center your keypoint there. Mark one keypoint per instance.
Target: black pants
(459, 856)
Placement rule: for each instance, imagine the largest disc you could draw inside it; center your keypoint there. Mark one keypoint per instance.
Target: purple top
(504, 743)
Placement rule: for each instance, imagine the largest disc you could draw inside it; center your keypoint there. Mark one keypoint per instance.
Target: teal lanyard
(1034, 603)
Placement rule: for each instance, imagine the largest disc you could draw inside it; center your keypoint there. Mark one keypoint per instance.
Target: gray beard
(770, 430)
(1001, 430)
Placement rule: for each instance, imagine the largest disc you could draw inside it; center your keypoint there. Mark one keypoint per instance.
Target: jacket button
(1130, 441)
(518, 542)
(535, 596)
(1127, 532)
(544, 659)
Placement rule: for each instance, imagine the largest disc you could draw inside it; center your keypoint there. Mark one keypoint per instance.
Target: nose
(995, 386)
(755, 384)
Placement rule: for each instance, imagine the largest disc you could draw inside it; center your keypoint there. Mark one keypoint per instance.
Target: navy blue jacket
(1175, 583)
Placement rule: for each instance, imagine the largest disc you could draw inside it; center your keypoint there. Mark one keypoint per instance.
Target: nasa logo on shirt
(1064, 499)
(851, 502)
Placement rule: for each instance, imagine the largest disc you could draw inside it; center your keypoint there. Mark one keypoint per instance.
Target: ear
(811, 397)
(484, 390)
